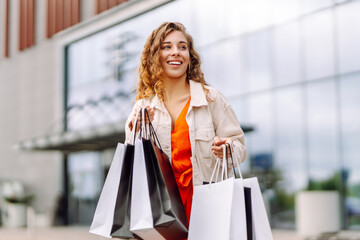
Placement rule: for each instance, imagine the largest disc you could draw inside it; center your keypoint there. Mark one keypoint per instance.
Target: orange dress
(181, 162)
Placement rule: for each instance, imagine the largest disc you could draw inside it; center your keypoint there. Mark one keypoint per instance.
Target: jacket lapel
(197, 93)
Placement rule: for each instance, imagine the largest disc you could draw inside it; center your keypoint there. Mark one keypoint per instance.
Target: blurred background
(290, 69)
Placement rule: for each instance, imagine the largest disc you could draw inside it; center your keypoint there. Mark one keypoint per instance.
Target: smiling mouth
(174, 62)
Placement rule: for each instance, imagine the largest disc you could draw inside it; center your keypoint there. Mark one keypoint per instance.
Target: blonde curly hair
(150, 70)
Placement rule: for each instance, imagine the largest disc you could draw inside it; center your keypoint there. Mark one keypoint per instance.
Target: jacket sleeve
(226, 125)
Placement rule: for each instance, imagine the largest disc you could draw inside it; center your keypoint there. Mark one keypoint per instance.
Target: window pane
(323, 144)
(205, 14)
(100, 81)
(307, 6)
(290, 137)
(287, 53)
(259, 114)
(319, 45)
(219, 20)
(222, 66)
(350, 119)
(86, 179)
(239, 106)
(349, 37)
(257, 67)
(341, 1)
(284, 10)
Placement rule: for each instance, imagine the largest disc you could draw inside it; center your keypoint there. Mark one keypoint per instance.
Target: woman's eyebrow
(179, 42)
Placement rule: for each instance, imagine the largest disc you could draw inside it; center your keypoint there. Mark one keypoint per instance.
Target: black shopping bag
(121, 222)
(168, 212)
(167, 208)
(248, 211)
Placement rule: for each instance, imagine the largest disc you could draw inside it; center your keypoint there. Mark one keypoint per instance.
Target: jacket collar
(198, 97)
(197, 94)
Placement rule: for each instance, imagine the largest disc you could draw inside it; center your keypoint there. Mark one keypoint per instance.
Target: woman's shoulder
(215, 95)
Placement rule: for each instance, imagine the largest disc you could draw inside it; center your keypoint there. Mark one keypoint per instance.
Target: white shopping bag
(261, 226)
(211, 211)
(141, 219)
(238, 229)
(218, 209)
(104, 213)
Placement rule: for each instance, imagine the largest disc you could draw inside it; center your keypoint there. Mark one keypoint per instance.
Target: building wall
(32, 95)
(30, 102)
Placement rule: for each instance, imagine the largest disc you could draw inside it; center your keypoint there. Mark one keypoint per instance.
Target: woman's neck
(176, 89)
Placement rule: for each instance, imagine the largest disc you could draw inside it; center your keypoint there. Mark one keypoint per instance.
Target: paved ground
(81, 233)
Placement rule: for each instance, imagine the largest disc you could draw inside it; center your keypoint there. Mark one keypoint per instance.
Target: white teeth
(177, 63)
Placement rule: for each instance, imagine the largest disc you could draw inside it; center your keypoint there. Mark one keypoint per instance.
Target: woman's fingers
(217, 151)
(217, 148)
(151, 113)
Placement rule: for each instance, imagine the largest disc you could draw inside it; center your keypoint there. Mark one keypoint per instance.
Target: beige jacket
(206, 120)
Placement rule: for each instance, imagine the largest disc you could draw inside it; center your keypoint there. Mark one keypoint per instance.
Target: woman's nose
(175, 51)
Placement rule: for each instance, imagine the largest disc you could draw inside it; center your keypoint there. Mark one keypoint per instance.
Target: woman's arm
(227, 129)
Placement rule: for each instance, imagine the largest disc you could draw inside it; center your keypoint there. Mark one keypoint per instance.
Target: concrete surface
(81, 233)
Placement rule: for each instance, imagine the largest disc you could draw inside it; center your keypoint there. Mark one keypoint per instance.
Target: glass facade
(290, 69)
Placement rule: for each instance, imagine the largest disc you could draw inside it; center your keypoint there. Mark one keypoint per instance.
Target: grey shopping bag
(104, 213)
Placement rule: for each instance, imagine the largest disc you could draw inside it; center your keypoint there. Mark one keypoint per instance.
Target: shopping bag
(239, 224)
(171, 222)
(261, 226)
(162, 211)
(104, 213)
(258, 226)
(144, 185)
(211, 211)
(218, 210)
(121, 220)
(248, 211)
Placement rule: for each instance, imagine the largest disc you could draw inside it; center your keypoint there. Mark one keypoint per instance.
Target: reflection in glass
(290, 136)
(260, 114)
(348, 36)
(100, 78)
(289, 156)
(350, 119)
(323, 143)
(239, 107)
(284, 10)
(258, 58)
(85, 183)
(287, 54)
(222, 66)
(319, 45)
(307, 6)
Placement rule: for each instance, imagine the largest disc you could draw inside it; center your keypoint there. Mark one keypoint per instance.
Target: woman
(192, 120)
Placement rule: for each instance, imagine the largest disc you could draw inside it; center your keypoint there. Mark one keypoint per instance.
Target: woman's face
(174, 56)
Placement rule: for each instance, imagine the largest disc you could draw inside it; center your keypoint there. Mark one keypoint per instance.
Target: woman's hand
(151, 113)
(217, 146)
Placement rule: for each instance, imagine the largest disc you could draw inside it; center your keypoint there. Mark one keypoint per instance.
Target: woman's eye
(166, 47)
(183, 47)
